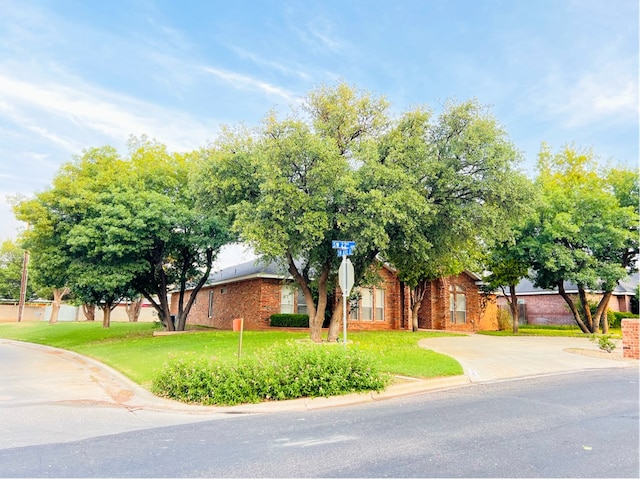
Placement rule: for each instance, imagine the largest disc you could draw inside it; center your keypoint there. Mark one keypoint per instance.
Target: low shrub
(283, 320)
(504, 320)
(285, 372)
(615, 318)
(604, 342)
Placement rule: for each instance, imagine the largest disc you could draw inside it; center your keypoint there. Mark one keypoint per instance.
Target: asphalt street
(581, 424)
(48, 394)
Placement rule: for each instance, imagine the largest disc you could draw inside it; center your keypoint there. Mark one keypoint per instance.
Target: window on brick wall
(302, 303)
(379, 304)
(292, 300)
(210, 313)
(366, 304)
(369, 307)
(457, 304)
(287, 299)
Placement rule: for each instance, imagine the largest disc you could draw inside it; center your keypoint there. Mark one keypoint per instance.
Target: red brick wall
(434, 311)
(431, 312)
(392, 306)
(544, 309)
(255, 300)
(631, 338)
(552, 309)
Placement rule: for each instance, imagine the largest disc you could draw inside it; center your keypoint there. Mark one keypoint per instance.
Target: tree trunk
(513, 304)
(133, 310)
(58, 294)
(417, 295)
(106, 315)
(336, 322)
(89, 311)
(591, 325)
(600, 316)
(415, 307)
(183, 310)
(316, 312)
(572, 307)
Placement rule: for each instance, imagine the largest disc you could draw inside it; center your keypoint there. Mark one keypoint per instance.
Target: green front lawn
(132, 349)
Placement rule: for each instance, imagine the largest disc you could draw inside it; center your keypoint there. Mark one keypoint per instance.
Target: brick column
(630, 338)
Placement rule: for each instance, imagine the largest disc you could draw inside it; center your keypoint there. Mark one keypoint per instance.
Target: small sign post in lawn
(345, 278)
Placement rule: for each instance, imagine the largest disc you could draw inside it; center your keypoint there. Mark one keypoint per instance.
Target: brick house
(455, 303)
(542, 306)
(255, 291)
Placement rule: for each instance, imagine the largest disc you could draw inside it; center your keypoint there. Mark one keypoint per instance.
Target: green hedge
(287, 371)
(290, 320)
(615, 318)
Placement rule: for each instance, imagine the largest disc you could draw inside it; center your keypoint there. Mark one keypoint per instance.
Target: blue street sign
(343, 244)
(345, 252)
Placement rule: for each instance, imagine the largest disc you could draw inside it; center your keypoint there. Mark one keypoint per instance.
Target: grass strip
(132, 349)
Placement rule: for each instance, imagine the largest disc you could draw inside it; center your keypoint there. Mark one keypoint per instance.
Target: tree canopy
(290, 186)
(426, 195)
(457, 188)
(432, 194)
(585, 231)
(112, 227)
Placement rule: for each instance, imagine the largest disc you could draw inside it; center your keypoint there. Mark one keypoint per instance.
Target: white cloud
(320, 35)
(596, 98)
(246, 82)
(608, 95)
(273, 65)
(49, 109)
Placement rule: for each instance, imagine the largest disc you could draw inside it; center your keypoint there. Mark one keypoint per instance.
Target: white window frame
(287, 299)
(457, 304)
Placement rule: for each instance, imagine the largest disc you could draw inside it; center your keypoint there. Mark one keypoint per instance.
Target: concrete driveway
(492, 358)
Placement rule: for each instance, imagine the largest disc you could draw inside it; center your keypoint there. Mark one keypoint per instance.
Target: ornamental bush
(615, 318)
(284, 320)
(284, 372)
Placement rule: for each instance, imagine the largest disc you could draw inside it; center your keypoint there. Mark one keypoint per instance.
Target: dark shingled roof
(250, 269)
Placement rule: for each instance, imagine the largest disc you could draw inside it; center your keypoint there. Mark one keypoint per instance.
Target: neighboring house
(543, 306)
(254, 291)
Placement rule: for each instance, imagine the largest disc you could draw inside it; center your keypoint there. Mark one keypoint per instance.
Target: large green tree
(585, 231)
(114, 227)
(457, 188)
(290, 188)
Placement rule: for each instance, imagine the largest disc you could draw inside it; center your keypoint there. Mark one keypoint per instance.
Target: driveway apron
(492, 358)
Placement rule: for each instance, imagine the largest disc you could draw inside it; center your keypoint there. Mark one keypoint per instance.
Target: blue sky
(83, 73)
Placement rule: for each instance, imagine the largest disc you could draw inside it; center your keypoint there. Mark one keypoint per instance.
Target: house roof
(249, 270)
(625, 287)
(259, 269)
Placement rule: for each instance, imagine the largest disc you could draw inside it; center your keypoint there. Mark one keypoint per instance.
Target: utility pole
(23, 284)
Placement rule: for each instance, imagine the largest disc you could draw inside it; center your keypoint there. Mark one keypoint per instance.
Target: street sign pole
(344, 304)
(345, 278)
